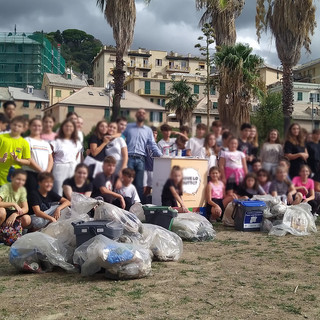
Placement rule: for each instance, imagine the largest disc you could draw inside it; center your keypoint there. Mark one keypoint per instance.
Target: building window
(26, 116)
(155, 116)
(145, 74)
(196, 89)
(198, 119)
(213, 90)
(58, 93)
(106, 113)
(158, 62)
(215, 105)
(147, 87)
(26, 104)
(124, 113)
(70, 108)
(300, 96)
(38, 105)
(151, 100)
(162, 88)
(201, 65)
(183, 64)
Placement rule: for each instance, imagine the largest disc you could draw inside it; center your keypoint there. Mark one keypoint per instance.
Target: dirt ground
(237, 276)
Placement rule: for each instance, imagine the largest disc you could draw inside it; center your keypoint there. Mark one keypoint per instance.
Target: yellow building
(94, 104)
(270, 74)
(61, 86)
(308, 72)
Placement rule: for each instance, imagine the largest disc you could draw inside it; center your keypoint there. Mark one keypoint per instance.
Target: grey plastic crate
(85, 230)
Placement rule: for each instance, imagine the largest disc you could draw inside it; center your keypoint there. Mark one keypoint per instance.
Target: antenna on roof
(15, 29)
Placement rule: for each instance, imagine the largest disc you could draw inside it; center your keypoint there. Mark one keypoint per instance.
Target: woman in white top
(209, 150)
(271, 152)
(66, 149)
(117, 148)
(41, 155)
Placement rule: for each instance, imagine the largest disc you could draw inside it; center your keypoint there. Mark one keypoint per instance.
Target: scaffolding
(25, 57)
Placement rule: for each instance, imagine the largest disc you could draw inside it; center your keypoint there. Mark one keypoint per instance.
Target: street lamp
(312, 114)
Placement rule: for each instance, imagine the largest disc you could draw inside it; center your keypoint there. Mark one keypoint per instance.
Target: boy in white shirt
(167, 145)
(128, 190)
(194, 145)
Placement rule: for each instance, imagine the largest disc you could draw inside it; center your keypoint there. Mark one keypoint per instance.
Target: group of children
(39, 173)
(239, 169)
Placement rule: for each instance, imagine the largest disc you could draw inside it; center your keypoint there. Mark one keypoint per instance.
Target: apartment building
(308, 72)
(306, 103)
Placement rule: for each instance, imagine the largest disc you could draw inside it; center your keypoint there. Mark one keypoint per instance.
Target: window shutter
(151, 116)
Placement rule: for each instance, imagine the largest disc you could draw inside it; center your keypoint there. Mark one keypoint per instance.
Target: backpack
(8, 235)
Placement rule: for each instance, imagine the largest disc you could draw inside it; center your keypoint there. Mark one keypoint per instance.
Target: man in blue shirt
(138, 137)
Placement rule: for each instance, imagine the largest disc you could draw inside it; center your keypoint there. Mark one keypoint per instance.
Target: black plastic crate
(85, 230)
(161, 216)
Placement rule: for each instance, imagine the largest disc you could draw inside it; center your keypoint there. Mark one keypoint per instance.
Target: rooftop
(4, 94)
(98, 97)
(63, 81)
(306, 65)
(22, 94)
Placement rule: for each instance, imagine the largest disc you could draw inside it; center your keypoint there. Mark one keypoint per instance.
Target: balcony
(131, 65)
(177, 68)
(144, 66)
(154, 93)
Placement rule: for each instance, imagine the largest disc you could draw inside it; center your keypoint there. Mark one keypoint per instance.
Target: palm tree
(292, 23)
(121, 16)
(182, 101)
(239, 83)
(221, 15)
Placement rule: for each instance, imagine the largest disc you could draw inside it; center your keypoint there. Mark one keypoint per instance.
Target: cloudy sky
(164, 24)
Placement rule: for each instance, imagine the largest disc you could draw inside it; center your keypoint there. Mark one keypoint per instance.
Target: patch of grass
(290, 308)
(2, 289)
(232, 242)
(185, 299)
(136, 293)
(310, 297)
(104, 292)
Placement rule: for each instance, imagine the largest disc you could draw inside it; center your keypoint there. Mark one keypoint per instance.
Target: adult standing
(313, 148)
(295, 149)
(9, 108)
(138, 137)
(117, 148)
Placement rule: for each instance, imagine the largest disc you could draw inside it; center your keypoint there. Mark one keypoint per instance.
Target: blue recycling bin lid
(250, 203)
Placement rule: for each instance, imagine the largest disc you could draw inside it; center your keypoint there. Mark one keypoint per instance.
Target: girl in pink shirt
(305, 186)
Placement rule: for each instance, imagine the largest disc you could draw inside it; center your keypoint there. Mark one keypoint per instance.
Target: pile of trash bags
(280, 219)
(127, 257)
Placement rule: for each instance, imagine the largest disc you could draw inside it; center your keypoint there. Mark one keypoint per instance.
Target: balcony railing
(144, 92)
(177, 68)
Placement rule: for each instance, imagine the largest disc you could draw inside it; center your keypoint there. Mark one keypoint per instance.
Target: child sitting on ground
(250, 187)
(13, 200)
(45, 204)
(264, 180)
(172, 190)
(283, 188)
(128, 190)
(106, 182)
(216, 198)
(305, 187)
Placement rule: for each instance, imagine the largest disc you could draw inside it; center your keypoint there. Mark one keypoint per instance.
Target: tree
(121, 16)
(221, 15)
(291, 23)
(239, 82)
(181, 101)
(205, 51)
(269, 115)
(77, 47)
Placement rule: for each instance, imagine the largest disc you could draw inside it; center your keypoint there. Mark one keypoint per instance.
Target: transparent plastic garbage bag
(297, 220)
(109, 212)
(121, 261)
(37, 252)
(193, 227)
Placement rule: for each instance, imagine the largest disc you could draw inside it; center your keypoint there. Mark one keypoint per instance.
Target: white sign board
(191, 181)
